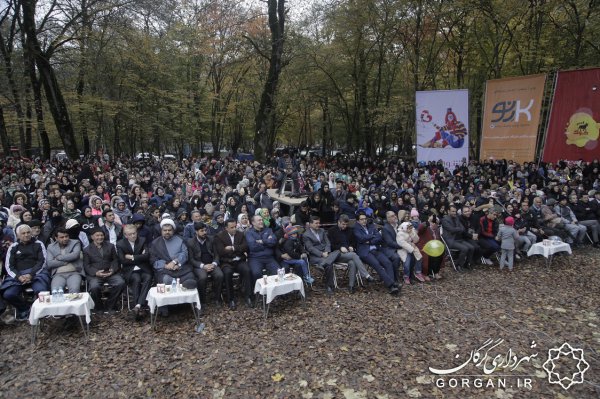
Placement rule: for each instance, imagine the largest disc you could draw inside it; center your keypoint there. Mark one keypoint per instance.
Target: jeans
(411, 261)
(298, 265)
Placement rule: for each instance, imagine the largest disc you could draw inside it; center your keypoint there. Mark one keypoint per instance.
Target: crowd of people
(92, 224)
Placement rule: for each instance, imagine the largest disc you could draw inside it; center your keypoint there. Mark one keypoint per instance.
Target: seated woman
(427, 231)
(409, 252)
(243, 223)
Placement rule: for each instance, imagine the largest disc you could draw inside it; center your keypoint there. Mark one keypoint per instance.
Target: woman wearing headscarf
(427, 231)
(243, 223)
(121, 211)
(70, 211)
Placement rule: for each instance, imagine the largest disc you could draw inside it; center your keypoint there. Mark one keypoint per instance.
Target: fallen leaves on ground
(365, 345)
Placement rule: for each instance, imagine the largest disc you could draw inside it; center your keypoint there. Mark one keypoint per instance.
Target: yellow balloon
(434, 248)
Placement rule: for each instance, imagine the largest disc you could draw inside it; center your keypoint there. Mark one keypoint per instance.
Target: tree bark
(265, 117)
(4, 134)
(56, 101)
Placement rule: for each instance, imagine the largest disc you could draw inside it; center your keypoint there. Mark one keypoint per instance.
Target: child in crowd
(507, 235)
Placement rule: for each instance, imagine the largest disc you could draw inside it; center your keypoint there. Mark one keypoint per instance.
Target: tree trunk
(39, 110)
(56, 101)
(6, 51)
(265, 117)
(4, 134)
(85, 22)
(117, 136)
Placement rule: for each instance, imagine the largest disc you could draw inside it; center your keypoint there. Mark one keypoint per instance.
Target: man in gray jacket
(64, 262)
(319, 249)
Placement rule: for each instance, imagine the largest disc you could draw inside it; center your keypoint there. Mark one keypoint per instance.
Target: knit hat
(509, 221)
(414, 213)
(290, 230)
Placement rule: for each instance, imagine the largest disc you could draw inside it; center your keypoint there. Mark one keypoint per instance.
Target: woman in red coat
(428, 231)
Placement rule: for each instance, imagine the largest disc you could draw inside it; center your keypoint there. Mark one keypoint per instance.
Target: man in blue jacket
(368, 248)
(261, 249)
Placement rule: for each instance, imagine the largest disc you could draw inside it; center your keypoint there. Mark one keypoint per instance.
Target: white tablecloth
(79, 307)
(275, 288)
(547, 250)
(156, 300)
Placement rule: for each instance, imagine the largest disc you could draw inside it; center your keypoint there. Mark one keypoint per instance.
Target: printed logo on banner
(582, 130)
(510, 111)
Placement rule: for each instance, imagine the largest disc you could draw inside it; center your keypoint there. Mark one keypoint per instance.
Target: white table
(548, 251)
(79, 307)
(156, 299)
(273, 288)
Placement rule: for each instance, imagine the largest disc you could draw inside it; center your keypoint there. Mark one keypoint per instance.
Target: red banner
(575, 117)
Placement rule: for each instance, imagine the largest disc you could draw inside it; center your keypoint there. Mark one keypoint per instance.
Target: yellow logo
(582, 130)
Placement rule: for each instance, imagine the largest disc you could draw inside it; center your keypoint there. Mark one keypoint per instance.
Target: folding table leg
(84, 328)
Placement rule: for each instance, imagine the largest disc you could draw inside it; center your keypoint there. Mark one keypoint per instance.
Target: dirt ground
(494, 328)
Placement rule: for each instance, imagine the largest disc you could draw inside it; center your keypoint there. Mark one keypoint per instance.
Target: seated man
(319, 250)
(587, 214)
(101, 265)
(25, 261)
(488, 230)
(369, 239)
(526, 237)
(135, 260)
(205, 262)
(231, 247)
(169, 257)
(390, 246)
(454, 233)
(342, 239)
(576, 229)
(261, 249)
(64, 262)
(471, 236)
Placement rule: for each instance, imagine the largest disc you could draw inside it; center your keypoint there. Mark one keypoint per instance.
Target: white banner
(442, 122)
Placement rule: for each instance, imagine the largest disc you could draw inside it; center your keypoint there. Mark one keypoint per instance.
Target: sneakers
(22, 316)
(422, 278)
(309, 280)
(486, 261)
(395, 291)
(406, 280)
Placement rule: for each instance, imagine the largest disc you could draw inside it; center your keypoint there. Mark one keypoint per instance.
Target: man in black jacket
(586, 216)
(205, 262)
(101, 265)
(135, 259)
(231, 247)
(25, 265)
(342, 238)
